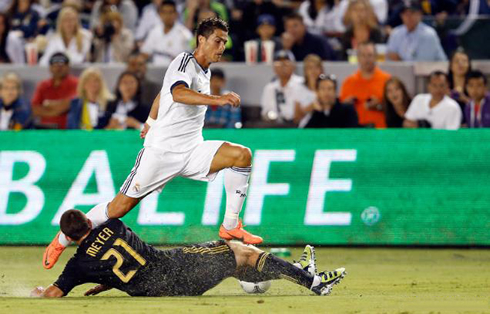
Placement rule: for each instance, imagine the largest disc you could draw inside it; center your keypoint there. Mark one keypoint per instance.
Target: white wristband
(150, 121)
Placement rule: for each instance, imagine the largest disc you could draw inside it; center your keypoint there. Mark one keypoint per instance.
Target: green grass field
(378, 281)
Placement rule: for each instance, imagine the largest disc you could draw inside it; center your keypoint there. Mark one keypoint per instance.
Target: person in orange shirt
(365, 88)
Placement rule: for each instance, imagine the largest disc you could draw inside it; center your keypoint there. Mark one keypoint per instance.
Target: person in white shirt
(70, 38)
(149, 19)
(322, 17)
(436, 109)
(174, 145)
(278, 102)
(163, 44)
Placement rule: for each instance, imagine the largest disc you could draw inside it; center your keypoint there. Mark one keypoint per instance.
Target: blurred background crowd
(277, 33)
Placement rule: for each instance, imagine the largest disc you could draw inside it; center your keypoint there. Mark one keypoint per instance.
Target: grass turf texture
(378, 281)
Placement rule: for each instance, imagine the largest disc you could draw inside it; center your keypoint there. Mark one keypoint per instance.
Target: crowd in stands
(61, 33)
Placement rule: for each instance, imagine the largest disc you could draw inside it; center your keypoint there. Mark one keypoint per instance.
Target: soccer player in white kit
(174, 145)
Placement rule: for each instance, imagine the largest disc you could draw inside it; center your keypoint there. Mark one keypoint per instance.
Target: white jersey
(178, 127)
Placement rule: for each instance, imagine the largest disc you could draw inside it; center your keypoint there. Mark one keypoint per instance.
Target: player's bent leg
(121, 205)
(237, 160)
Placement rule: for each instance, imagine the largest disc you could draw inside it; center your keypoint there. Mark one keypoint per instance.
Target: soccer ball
(255, 287)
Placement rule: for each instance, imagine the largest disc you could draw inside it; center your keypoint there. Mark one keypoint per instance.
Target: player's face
(438, 86)
(214, 45)
(394, 93)
(476, 88)
(326, 92)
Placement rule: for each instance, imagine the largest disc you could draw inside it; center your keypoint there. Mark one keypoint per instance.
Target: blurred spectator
(395, 101)
(414, 40)
(191, 13)
(128, 11)
(322, 16)
(361, 24)
(165, 42)
(266, 28)
(221, 116)
(89, 110)
(52, 97)
(459, 66)
(435, 110)
(149, 89)
(477, 111)
(277, 97)
(380, 8)
(70, 38)
(297, 39)
(305, 94)
(126, 111)
(113, 42)
(11, 47)
(15, 112)
(149, 19)
(329, 112)
(24, 18)
(365, 88)
(48, 22)
(253, 9)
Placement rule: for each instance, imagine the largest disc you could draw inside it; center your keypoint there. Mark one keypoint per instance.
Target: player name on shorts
(101, 238)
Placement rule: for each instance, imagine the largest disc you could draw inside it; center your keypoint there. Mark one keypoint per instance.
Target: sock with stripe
(236, 186)
(277, 268)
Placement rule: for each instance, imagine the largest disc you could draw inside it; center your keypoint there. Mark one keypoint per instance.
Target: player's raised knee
(243, 157)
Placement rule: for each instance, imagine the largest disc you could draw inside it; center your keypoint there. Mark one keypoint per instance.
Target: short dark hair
(74, 224)
(294, 16)
(436, 74)
(475, 75)
(326, 77)
(208, 26)
(167, 2)
(218, 73)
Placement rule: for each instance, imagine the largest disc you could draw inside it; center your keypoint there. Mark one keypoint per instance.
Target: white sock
(316, 281)
(236, 186)
(97, 215)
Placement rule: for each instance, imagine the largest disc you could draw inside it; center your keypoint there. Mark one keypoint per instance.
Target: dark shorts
(191, 270)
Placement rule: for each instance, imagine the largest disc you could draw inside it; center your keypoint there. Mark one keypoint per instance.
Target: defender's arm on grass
(49, 292)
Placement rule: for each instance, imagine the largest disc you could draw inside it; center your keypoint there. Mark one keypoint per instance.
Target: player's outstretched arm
(96, 290)
(49, 292)
(188, 96)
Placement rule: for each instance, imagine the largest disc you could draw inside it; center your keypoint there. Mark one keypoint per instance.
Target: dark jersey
(113, 255)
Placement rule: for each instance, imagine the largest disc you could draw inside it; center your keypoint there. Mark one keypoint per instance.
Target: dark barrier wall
(392, 187)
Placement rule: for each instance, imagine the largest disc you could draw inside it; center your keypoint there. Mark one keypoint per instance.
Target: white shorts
(154, 168)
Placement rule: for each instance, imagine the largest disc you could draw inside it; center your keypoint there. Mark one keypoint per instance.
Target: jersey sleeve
(181, 71)
(70, 277)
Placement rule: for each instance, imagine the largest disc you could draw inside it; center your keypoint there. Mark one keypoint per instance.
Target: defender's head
(211, 38)
(74, 224)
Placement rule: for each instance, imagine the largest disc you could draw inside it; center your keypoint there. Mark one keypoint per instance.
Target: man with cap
(414, 40)
(277, 98)
(51, 100)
